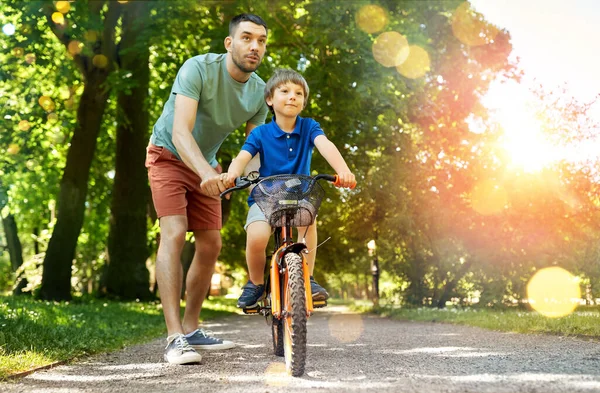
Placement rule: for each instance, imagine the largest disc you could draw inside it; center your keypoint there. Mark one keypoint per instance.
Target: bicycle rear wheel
(277, 331)
(294, 337)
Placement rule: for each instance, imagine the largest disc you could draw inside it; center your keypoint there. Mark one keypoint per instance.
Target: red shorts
(176, 191)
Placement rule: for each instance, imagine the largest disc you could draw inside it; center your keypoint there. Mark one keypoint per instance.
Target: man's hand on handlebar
(213, 185)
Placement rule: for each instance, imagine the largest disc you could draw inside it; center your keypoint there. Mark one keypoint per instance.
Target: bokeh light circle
(553, 292)
(18, 52)
(390, 49)
(371, 18)
(488, 197)
(46, 103)
(9, 29)
(470, 28)
(276, 375)
(24, 125)
(346, 328)
(100, 61)
(58, 18)
(416, 65)
(74, 47)
(30, 58)
(63, 6)
(13, 148)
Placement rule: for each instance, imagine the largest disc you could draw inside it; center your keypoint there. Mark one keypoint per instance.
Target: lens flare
(346, 327)
(470, 28)
(63, 6)
(276, 375)
(90, 36)
(488, 197)
(371, 18)
(46, 103)
(24, 125)
(390, 49)
(13, 148)
(100, 61)
(58, 18)
(75, 47)
(8, 29)
(553, 292)
(18, 52)
(416, 65)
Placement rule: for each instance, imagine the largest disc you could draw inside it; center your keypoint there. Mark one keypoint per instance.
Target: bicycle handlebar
(243, 182)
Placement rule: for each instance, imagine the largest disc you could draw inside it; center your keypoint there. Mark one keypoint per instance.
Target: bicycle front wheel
(295, 318)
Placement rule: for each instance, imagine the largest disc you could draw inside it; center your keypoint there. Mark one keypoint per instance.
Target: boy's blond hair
(285, 75)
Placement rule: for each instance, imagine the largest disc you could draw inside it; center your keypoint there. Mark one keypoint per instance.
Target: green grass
(36, 333)
(584, 322)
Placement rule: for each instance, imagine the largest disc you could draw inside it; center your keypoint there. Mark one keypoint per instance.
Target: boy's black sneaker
(318, 292)
(251, 294)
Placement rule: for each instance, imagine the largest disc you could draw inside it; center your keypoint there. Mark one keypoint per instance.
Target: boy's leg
(258, 232)
(257, 239)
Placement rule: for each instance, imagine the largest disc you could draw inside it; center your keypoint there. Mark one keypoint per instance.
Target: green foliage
(409, 141)
(583, 322)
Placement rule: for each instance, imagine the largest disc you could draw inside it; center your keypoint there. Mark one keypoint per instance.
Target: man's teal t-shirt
(224, 104)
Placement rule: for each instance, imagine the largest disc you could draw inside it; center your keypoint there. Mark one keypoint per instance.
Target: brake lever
(240, 184)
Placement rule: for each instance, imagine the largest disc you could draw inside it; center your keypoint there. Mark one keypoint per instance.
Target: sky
(557, 41)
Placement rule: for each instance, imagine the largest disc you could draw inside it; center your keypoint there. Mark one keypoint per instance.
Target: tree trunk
(127, 276)
(56, 278)
(15, 250)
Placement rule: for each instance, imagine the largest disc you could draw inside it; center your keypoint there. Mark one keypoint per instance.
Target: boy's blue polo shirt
(282, 152)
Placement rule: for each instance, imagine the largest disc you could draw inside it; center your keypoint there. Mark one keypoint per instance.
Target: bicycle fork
(278, 272)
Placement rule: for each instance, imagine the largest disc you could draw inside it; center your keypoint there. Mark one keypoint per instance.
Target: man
(213, 94)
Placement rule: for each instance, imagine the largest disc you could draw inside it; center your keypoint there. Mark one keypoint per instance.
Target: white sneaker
(179, 351)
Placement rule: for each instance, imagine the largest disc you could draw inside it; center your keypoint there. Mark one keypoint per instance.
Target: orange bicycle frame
(275, 276)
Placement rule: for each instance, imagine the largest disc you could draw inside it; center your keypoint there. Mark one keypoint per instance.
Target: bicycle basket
(292, 198)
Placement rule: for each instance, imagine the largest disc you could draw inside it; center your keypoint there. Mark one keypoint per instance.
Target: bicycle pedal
(319, 303)
(253, 310)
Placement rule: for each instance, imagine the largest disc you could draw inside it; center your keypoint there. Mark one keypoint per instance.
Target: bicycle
(288, 201)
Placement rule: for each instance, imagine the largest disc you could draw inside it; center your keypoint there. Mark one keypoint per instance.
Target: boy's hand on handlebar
(229, 179)
(346, 180)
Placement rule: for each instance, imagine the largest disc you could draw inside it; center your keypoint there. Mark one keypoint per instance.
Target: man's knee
(208, 242)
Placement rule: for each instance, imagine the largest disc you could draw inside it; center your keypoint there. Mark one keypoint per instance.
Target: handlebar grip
(337, 183)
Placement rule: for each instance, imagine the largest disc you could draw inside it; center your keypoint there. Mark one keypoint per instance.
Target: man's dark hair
(235, 22)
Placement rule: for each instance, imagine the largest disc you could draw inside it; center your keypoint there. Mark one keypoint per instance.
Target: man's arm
(183, 125)
(334, 158)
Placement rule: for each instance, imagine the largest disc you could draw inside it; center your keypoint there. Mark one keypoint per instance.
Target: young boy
(285, 146)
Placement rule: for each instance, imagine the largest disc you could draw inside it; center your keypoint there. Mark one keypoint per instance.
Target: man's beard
(244, 68)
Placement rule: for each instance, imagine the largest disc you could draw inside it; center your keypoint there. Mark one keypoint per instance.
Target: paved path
(347, 352)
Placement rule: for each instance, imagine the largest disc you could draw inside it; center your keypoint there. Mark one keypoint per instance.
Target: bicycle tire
(295, 320)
